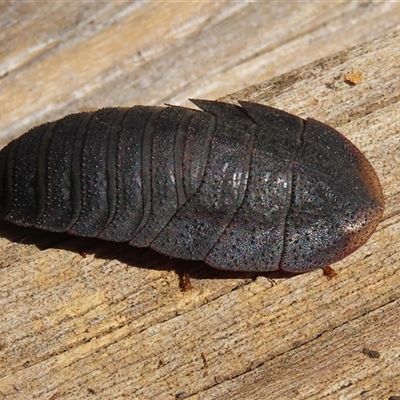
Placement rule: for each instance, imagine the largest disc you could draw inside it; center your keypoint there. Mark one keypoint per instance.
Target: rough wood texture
(88, 319)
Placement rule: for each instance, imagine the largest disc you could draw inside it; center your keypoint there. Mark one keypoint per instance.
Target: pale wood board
(83, 318)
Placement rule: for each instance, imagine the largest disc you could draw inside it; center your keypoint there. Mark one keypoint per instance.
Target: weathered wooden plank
(66, 57)
(82, 317)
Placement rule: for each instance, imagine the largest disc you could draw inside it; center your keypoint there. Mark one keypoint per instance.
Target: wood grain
(83, 318)
(67, 57)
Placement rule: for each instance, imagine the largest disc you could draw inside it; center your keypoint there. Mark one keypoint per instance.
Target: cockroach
(243, 187)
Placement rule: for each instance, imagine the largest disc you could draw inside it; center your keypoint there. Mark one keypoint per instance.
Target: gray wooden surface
(83, 318)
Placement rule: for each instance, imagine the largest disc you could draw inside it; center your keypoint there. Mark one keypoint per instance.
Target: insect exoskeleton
(247, 187)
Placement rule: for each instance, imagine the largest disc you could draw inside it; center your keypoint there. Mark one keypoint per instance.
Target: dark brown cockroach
(246, 187)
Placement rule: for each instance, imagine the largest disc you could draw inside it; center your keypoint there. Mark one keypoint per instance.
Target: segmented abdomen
(117, 173)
